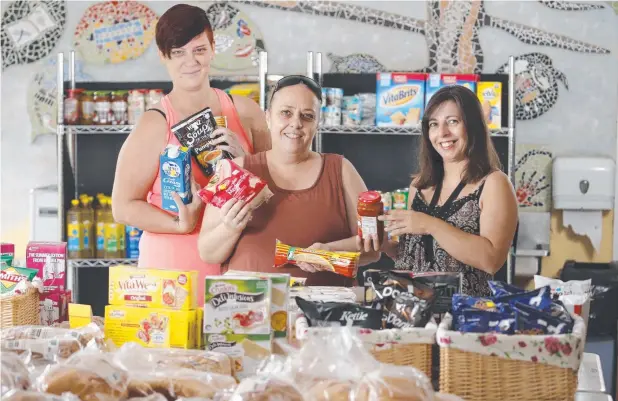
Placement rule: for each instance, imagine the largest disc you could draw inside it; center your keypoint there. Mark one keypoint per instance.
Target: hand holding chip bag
(232, 182)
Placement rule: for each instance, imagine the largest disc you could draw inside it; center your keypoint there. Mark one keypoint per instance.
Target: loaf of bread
(329, 390)
(266, 389)
(83, 335)
(203, 361)
(178, 383)
(21, 395)
(13, 373)
(51, 349)
(394, 383)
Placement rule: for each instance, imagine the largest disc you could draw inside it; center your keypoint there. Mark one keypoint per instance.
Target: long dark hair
(480, 151)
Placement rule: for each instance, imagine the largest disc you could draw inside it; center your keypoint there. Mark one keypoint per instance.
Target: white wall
(582, 121)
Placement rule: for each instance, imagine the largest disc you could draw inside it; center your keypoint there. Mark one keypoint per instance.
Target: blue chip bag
(559, 311)
(533, 321)
(485, 321)
(500, 289)
(462, 301)
(539, 298)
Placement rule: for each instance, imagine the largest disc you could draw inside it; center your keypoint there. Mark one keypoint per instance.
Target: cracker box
(246, 351)
(490, 96)
(152, 288)
(50, 259)
(152, 328)
(400, 99)
(237, 305)
(280, 294)
(437, 81)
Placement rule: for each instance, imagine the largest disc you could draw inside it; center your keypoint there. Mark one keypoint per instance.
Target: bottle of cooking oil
(75, 231)
(100, 227)
(88, 227)
(114, 234)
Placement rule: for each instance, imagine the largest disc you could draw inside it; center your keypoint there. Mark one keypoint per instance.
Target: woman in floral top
(462, 208)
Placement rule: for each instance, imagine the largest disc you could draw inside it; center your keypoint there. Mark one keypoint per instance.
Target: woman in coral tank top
(184, 37)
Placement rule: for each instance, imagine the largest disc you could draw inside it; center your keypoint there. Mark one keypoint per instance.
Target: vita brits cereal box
(437, 81)
(152, 288)
(400, 99)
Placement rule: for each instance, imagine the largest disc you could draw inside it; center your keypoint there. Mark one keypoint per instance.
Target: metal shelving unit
(314, 68)
(77, 263)
(97, 129)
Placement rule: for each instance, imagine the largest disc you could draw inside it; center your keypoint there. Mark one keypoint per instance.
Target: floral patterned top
(463, 213)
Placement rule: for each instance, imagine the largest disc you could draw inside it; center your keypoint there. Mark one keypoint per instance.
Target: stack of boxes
(49, 259)
(154, 308)
(403, 97)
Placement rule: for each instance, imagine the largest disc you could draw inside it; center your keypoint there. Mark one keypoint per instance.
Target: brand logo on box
(171, 169)
(399, 95)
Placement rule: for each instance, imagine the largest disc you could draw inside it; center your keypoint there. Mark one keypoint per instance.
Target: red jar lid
(370, 197)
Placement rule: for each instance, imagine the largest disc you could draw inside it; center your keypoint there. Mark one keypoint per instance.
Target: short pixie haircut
(179, 25)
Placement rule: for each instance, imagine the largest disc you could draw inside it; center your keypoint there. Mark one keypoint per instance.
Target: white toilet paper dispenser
(583, 183)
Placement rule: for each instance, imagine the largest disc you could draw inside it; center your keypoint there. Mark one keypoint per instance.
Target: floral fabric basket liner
(561, 350)
(384, 339)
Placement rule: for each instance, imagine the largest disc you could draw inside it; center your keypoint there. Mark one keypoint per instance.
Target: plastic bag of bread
(84, 335)
(151, 397)
(390, 383)
(14, 373)
(232, 182)
(21, 395)
(90, 374)
(178, 383)
(266, 388)
(133, 356)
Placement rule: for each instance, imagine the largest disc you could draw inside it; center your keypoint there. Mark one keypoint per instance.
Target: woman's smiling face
(447, 132)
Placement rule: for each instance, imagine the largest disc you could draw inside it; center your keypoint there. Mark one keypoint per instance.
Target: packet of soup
(196, 133)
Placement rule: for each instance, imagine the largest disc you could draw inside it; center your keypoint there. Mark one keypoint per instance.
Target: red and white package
(232, 182)
(50, 259)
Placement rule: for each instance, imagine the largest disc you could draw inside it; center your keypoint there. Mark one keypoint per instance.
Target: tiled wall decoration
(114, 31)
(357, 63)
(533, 178)
(30, 30)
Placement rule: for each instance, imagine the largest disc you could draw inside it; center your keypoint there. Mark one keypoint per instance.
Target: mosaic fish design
(536, 85)
(30, 30)
(533, 182)
(357, 63)
(571, 5)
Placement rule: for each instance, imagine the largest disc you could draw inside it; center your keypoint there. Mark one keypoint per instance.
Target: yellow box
(153, 328)
(152, 288)
(490, 96)
(79, 315)
(199, 339)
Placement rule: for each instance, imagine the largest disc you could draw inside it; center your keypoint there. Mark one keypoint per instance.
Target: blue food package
(500, 289)
(485, 321)
(462, 301)
(533, 321)
(539, 298)
(559, 311)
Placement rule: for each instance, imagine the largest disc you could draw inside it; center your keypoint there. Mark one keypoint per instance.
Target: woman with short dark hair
(185, 40)
(462, 212)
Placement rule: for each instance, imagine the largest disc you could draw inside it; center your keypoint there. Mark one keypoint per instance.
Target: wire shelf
(77, 263)
(374, 130)
(98, 129)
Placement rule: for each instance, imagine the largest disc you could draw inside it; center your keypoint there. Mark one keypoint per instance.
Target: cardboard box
(246, 351)
(152, 328)
(400, 99)
(50, 259)
(437, 81)
(490, 96)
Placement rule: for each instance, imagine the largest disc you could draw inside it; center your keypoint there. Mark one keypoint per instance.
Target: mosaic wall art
(533, 177)
(114, 31)
(536, 85)
(41, 96)
(238, 40)
(30, 30)
(452, 34)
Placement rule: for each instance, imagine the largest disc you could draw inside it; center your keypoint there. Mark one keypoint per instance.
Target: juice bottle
(88, 227)
(100, 227)
(75, 231)
(114, 234)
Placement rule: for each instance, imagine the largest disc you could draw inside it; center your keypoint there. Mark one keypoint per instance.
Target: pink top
(179, 252)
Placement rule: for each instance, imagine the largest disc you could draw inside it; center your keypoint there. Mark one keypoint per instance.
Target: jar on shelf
(154, 96)
(87, 108)
(72, 106)
(119, 107)
(136, 105)
(103, 108)
(368, 208)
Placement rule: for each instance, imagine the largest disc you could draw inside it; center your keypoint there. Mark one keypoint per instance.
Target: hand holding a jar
(399, 222)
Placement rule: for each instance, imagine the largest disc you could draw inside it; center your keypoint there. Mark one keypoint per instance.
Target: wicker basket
(402, 354)
(476, 376)
(20, 310)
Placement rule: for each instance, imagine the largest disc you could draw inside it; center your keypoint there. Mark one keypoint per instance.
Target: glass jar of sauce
(87, 108)
(72, 106)
(154, 96)
(368, 208)
(136, 105)
(103, 108)
(119, 107)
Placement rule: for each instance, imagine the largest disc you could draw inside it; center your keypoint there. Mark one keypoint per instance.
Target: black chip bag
(321, 314)
(408, 311)
(195, 132)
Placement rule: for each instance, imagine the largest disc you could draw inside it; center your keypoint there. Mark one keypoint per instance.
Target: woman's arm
(488, 250)
(250, 112)
(136, 170)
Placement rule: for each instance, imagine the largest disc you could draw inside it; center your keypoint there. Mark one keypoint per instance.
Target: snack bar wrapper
(196, 132)
(342, 263)
(232, 182)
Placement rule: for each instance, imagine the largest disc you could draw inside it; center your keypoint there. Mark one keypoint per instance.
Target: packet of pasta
(232, 182)
(342, 263)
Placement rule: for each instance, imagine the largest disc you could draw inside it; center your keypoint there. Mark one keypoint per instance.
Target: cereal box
(400, 99)
(50, 259)
(280, 294)
(490, 96)
(152, 328)
(437, 81)
(152, 288)
(237, 305)
(246, 351)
